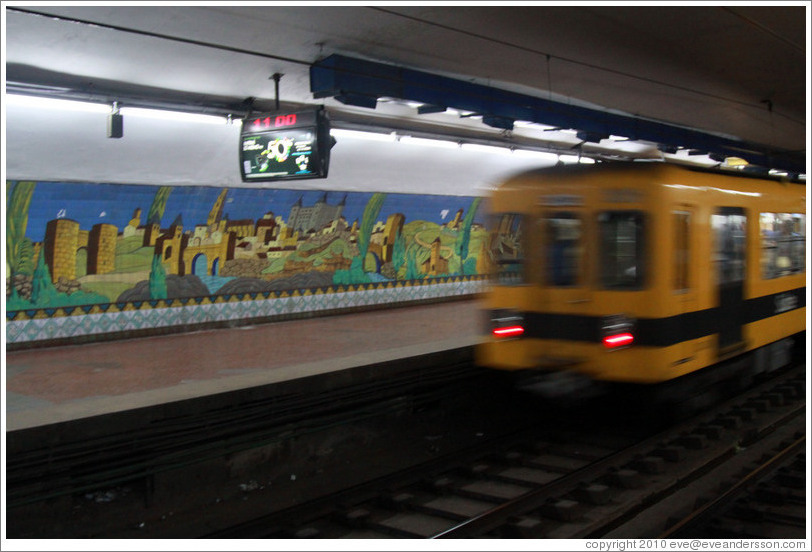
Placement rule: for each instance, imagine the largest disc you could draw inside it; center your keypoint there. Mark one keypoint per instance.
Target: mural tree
(464, 237)
(157, 279)
(356, 272)
(412, 272)
(371, 213)
(156, 210)
(42, 287)
(19, 249)
(399, 252)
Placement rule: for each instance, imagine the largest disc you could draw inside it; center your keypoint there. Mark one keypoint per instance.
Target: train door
(683, 277)
(729, 230)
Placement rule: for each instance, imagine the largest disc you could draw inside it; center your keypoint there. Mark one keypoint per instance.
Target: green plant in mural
(156, 210)
(371, 212)
(412, 272)
(157, 279)
(42, 287)
(399, 252)
(19, 249)
(464, 237)
(356, 274)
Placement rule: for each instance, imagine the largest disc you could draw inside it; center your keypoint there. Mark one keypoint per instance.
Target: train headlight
(617, 331)
(507, 324)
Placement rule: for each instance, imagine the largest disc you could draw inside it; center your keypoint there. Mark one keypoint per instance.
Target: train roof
(643, 166)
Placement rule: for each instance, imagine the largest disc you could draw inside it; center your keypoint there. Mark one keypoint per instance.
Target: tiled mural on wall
(76, 250)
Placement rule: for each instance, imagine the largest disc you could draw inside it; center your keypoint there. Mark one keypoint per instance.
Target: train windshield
(621, 249)
(506, 249)
(563, 238)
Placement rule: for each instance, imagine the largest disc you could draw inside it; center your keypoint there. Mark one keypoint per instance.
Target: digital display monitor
(285, 146)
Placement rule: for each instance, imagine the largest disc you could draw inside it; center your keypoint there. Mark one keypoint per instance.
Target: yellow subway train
(643, 272)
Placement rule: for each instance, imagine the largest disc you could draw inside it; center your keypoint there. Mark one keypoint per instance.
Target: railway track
(563, 482)
(765, 502)
(758, 492)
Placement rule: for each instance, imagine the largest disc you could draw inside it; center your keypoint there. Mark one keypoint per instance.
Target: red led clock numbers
(276, 122)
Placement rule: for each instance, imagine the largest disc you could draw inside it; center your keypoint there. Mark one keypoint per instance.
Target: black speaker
(115, 125)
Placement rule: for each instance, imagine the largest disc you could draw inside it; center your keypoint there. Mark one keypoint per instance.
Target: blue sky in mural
(91, 204)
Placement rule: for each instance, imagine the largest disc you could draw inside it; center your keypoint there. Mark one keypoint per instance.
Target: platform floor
(45, 386)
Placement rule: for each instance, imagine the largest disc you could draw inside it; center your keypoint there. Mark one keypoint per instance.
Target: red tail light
(618, 340)
(508, 331)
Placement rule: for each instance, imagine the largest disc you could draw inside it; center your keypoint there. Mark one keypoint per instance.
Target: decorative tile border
(145, 317)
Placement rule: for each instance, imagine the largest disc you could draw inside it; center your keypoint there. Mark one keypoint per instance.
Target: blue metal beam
(364, 81)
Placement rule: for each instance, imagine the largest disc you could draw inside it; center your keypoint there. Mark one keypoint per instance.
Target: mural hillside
(73, 244)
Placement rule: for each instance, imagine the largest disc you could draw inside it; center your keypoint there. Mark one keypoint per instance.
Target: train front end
(568, 252)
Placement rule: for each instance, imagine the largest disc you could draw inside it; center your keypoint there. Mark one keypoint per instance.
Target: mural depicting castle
(78, 244)
(310, 219)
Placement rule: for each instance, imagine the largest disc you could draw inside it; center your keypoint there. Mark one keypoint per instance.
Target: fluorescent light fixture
(776, 172)
(536, 126)
(538, 155)
(429, 142)
(618, 138)
(363, 135)
(463, 114)
(178, 116)
(684, 155)
(481, 148)
(40, 102)
(568, 159)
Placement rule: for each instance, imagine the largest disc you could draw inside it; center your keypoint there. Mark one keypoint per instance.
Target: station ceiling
(737, 72)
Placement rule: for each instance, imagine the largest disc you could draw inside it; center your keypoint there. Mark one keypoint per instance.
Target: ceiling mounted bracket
(276, 78)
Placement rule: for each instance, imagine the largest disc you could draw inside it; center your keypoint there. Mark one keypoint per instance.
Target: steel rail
(698, 515)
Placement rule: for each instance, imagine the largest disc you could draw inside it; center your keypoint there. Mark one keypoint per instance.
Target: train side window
(506, 249)
(621, 249)
(563, 248)
(682, 256)
(783, 241)
(729, 254)
(798, 251)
